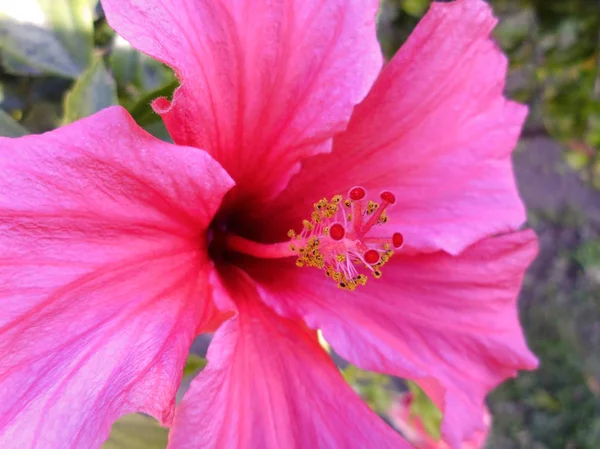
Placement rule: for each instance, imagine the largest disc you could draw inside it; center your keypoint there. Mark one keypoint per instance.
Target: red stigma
(337, 232)
(397, 240)
(388, 197)
(371, 256)
(357, 193)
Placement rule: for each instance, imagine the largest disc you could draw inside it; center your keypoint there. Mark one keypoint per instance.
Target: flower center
(338, 238)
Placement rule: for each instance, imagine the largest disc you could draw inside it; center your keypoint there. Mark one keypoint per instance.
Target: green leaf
(374, 388)
(46, 36)
(9, 126)
(426, 410)
(93, 91)
(588, 254)
(135, 72)
(137, 432)
(193, 364)
(415, 8)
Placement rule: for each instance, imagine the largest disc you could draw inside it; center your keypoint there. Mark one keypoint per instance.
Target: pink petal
(103, 277)
(269, 385)
(449, 322)
(264, 84)
(435, 130)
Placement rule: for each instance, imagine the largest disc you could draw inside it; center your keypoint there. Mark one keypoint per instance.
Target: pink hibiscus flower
(117, 250)
(414, 431)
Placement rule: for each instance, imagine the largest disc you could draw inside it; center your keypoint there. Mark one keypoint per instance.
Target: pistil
(258, 250)
(337, 239)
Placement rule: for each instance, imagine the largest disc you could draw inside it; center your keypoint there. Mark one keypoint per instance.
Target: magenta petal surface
(103, 277)
(269, 385)
(265, 83)
(449, 322)
(435, 130)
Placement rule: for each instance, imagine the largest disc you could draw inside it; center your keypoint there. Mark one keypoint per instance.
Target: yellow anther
(372, 206)
(307, 225)
(337, 199)
(320, 205)
(361, 279)
(330, 210)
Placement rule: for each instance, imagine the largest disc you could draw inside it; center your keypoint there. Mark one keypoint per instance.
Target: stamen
(339, 242)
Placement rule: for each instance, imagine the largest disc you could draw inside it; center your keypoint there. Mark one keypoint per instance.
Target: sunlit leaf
(46, 36)
(415, 7)
(426, 410)
(93, 91)
(137, 432)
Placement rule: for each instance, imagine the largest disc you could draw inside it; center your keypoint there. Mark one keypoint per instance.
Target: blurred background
(60, 61)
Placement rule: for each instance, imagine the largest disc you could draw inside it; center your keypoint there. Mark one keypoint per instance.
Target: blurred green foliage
(60, 61)
(375, 389)
(46, 37)
(137, 431)
(426, 410)
(93, 91)
(554, 48)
